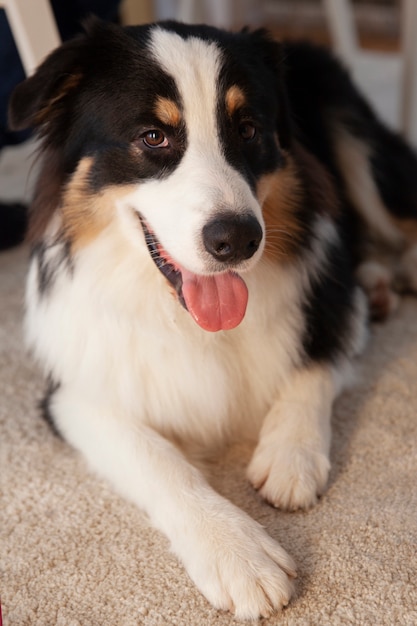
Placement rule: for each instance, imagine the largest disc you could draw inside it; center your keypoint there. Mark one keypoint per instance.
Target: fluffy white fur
(134, 424)
(116, 408)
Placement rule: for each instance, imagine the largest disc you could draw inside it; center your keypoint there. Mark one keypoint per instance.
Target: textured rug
(73, 553)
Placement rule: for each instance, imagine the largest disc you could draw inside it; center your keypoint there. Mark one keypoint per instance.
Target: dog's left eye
(155, 139)
(247, 131)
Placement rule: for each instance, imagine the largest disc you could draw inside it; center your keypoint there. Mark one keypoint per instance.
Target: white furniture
(373, 67)
(34, 30)
(409, 85)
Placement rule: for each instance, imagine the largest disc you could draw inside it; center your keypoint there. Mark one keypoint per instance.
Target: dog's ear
(35, 99)
(41, 97)
(272, 54)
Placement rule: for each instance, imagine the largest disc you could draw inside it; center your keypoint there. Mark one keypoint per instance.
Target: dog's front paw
(289, 477)
(239, 567)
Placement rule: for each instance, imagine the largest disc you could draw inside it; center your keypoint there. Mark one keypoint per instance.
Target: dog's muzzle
(217, 301)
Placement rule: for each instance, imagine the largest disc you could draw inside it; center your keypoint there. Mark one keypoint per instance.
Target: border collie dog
(215, 216)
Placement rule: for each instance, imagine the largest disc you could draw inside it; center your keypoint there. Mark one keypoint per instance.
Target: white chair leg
(190, 11)
(342, 28)
(34, 30)
(409, 84)
(217, 12)
(220, 12)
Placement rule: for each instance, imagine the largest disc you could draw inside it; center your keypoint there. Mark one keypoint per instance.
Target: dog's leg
(376, 281)
(229, 556)
(290, 465)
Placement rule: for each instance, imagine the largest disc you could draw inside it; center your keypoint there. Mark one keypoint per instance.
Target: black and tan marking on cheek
(282, 198)
(87, 213)
(291, 199)
(319, 184)
(81, 219)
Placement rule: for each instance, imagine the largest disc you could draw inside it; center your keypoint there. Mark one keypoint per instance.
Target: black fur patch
(262, 86)
(329, 308)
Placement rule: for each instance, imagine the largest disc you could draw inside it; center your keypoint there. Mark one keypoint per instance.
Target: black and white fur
(173, 151)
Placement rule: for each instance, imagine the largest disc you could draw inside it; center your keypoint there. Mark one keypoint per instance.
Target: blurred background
(367, 34)
(376, 39)
(377, 21)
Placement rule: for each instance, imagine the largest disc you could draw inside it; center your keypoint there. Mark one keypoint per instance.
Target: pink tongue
(215, 302)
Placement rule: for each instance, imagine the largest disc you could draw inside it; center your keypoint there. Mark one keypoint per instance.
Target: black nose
(231, 237)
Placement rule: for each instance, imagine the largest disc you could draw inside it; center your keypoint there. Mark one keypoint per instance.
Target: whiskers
(279, 241)
(164, 264)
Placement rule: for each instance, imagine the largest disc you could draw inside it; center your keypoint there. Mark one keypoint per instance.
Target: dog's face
(173, 130)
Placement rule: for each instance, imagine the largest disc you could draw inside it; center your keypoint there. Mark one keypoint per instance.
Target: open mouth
(216, 302)
(162, 261)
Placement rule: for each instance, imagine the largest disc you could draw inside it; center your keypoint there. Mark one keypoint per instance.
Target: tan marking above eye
(167, 112)
(235, 99)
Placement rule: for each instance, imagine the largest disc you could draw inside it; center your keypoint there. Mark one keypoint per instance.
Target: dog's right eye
(155, 139)
(247, 131)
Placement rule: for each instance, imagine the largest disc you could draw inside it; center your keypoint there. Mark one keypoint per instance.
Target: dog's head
(172, 130)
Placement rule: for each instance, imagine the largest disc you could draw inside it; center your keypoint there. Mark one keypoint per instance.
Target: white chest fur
(111, 330)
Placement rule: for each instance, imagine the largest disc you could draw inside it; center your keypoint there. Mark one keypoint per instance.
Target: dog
(216, 218)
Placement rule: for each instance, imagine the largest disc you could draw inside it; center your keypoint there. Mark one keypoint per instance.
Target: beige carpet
(75, 554)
